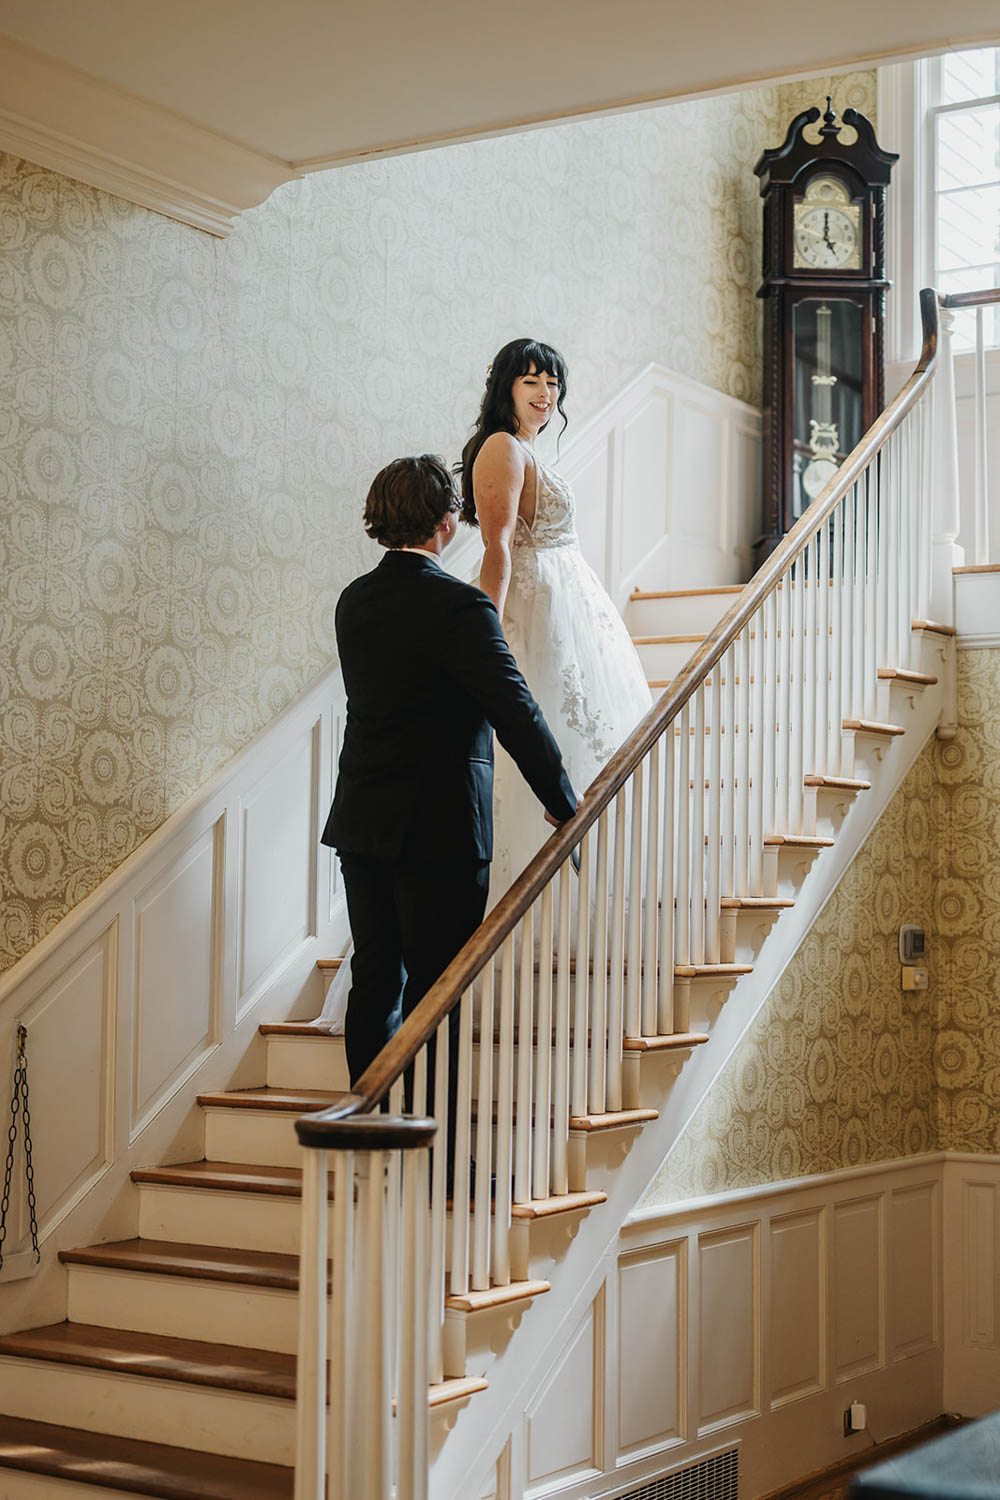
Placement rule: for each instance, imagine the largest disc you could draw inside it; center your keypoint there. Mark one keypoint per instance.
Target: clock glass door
(828, 362)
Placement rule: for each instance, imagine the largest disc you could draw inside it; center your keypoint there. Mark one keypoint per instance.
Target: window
(963, 95)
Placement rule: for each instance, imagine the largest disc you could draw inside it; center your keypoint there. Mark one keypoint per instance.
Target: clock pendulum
(823, 439)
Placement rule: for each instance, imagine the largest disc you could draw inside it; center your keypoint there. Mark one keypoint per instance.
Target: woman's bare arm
(497, 481)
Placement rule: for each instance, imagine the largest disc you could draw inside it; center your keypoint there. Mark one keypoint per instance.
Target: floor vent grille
(715, 1478)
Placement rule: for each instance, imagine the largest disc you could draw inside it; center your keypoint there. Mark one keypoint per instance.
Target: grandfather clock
(824, 308)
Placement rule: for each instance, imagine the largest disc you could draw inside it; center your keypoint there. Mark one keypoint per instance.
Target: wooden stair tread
(496, 1296)
(798, 840)
(264, 1268)
(871, 726)
(329, 963)
(227, 1176)
(612, 1119)
(299, 1028)
(711, 971)
(719, 588)
(563, 1203)
(903, 674)
(123, 1463)
(460, 1388)
(969, 568)
(933, 627)
(756, 903)
(288, 1101)
(838, 783)
(122, 1351)
(675, 1042)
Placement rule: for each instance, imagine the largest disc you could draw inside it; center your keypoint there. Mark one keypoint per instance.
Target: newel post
(946, 551)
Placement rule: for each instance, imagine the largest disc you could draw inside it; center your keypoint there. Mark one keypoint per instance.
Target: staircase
(588, 1031)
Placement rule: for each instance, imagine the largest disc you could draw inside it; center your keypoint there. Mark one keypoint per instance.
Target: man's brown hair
(408, 500)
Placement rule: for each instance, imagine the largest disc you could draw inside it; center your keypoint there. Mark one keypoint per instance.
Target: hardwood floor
(835, 1483)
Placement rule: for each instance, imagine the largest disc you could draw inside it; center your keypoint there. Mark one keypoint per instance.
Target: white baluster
(894, 655)
(871, 663)
(436, 1278)
(769, 739)
(414, 1455)
(698, 828)
(797, 585)
(668, 841)
(344, 1385)
(559, 1173)
(759, 743)
(980, 430)
(651, 892)
(616, 977)
(482, 1225)
(809, 660)
(599, 977)
(682, 921)
(463, 1145)
(823, 694)
(712, 800)
(581, 983)
(525, 1060)
(634, 906)
(310, 1372)
(543, 1051)
(727, 750)
(848, 700)
(783, 814)
(505, 1118)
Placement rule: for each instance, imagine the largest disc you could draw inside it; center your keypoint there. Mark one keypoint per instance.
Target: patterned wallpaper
(840, 1067)
(188, 426)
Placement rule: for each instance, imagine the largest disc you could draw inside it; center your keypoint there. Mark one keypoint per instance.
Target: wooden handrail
(445, 993)
(984, 298)
(351, 1131)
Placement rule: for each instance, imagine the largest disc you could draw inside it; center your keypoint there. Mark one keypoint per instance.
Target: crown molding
(70, 122)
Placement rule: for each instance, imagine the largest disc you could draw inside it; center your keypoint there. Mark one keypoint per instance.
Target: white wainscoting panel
(971, 1227)
(562, 1427)
(667, 485)
(70, 1047)
(176, 993)
(856, 1279)
(652, 1302)
(912, 1284)
(278, 831)
(728, 1325)
(796, 1333)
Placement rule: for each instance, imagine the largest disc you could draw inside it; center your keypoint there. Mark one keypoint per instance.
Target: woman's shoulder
(502, 447)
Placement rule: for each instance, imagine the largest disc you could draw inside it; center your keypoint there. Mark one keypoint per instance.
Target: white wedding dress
(576, 656)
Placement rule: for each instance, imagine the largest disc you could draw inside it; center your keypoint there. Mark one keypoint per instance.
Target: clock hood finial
(829, 126)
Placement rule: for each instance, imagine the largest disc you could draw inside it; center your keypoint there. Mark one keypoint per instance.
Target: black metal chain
(19, 1099)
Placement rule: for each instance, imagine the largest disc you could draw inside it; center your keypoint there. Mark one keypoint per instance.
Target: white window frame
(906, 123)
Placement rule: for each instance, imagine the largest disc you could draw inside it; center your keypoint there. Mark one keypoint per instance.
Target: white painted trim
(70, 122)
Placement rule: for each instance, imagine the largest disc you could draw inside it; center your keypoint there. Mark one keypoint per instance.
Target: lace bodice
(555, 514)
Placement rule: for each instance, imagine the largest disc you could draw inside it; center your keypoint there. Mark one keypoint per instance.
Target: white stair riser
(180, 1306)
(266, 1136)
(215, 1421)
(662, 662)
(684, 616)
(304, 1062)
(200, 1216)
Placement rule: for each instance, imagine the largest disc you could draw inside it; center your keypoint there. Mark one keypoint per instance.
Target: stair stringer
(482, 1429)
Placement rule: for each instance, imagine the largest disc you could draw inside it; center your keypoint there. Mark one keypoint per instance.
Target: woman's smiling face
(534, 396)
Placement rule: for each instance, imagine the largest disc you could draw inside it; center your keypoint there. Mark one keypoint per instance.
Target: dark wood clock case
(851, 300)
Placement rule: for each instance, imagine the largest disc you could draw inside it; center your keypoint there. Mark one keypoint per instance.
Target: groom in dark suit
(429, 677)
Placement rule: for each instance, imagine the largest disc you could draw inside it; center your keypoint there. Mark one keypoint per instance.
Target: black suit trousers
(409, 917)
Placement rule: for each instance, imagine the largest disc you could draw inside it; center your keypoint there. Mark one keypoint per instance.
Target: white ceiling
(306, 83)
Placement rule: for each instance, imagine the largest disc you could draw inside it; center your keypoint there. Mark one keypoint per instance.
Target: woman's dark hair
(497, 411)
(408, 500)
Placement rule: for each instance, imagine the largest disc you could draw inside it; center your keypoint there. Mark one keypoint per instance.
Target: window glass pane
(968, 147)
(970, 75)
(968, 228)
(964, 332)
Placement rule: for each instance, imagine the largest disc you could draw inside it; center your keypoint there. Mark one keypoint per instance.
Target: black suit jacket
(429, 675)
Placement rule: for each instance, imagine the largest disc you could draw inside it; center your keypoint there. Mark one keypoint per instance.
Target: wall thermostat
(912, 944)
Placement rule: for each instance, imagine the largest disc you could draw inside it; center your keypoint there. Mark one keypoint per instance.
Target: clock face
(827, 236)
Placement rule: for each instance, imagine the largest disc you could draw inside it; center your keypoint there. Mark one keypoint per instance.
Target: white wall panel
(979, 1216)
(590, 474)
(563, 1424)
(698, 469)
(729, 1303)
(796, 1306)
(856, 1279)
(912, 1283)
(278, 857)
(652, 1293)
(175, 994)
(647, 439)
(70, 1046)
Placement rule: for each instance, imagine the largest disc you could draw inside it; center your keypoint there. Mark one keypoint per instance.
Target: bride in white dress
(566, 635)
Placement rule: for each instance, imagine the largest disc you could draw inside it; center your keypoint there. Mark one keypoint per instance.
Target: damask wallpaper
(840, 1067)
(188, 426)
